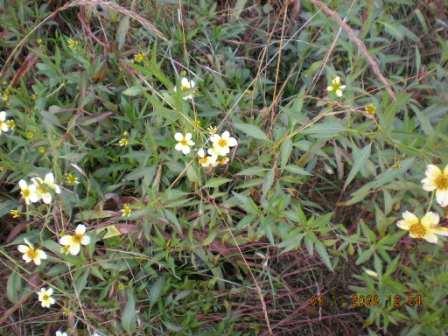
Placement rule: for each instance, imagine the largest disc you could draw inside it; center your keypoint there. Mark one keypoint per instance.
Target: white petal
(49, 179)
(188, 136)
(2, 116)
(201, 152)
(23, 184)
(57, 189)
(85, 240)
(428, 184)
(66, 240)
(343, 87)
(430, 219)
(23, 248)
(442, 231)
(339, 93)
(185, 83)
(329, 88)
(74, 249)
(80, 229)
(46, 197)
(179, 147)
(186, 150)
(37, 261)
(41, 254)
(336, 80)
(232, 142)
(26, 258)
(4, 127)
(430, 237)
(442, 197)
(432, 171)
(402, 224)
(225, 134)
(445, 170)
(50, 291)
(178, 136)
(410, 218)
(214, 138)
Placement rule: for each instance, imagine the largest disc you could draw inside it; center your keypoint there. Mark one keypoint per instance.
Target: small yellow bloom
(30, 253)
(139, 57)
(71, 179)
(15, 213)
(45, 297)
(74, 242)
(11, 124)
(212, 130)
(184, 142)
(223, 161)
(126, 211)
(426, 228)
(437, 180)
(336, 86)
(41, 150)
(370, 109)
(124, 141)
(72, 43)
(222, 143)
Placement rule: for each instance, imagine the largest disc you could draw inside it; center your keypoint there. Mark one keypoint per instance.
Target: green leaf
(251, 130)
(297, 170)
(14, 287)
(322, 251)
(285, 152)
(360, 158)
(327, 129)
(216, 182)
(128, 316)
(133, 91)
(123, 28)
(81, 281)
(156, 290)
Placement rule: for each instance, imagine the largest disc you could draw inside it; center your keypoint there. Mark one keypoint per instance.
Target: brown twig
(361, 46)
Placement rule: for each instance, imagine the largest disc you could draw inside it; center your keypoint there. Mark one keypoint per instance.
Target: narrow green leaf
(128, 316)
(123, 28)
(285, 152)
(252, 131)
(359, 158)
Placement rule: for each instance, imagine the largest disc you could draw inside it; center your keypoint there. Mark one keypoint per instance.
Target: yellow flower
(45, 297)
(139, 57)
(29, 135)
(4, 127)
(184, 142)
(72, 43)
(124, 141)
(206, 160)
(212, 130)
(28, 192)
(11, 124)
(74, 242)
(15, 213)
(222, 143)
(30, 253)
(437, 180)
(126, 211)
(41, 150)
(336, 86)
(426, 228)
(223, 161)
(370, 109)
(188, 86)
(71, 179)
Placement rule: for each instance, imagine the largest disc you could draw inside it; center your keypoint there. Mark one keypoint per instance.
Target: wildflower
(41, 150)
(30, 253)
(74, 242)
(222, 143)
(15, 213)
(422, 228)
(71, 179)
(336, 86)
(29, 135)
(437, 180)
(64, 250)
(124, 141)
(11, 124)
(45, 297)
(126, 211)
(223, 161)
(72, 43)
(3, 122)
(206, 160)
(212, 130)
(187, 85)
(371, 273)
(139, 57)
(370, 109)
(184, 142)
(28, 192)
(45, 186)
(61, 333)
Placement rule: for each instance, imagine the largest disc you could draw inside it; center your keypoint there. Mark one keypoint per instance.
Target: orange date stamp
(367, 301)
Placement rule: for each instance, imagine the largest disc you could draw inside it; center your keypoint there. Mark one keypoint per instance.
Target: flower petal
(442, 197)
(431, 238)
(74, 249)
(23, 248)
(85, 240)
(80, 229)
(66, 240)
(2, 116)
(430, 219)
(178, 136)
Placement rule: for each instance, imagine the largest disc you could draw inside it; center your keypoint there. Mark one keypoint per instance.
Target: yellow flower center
(184, 142)
(26, 193)
(222, 143)
(45, 297)
(418, 230)
(42, 188)
(203, 160)
(441, 181)
(77, 239)
(31, 253)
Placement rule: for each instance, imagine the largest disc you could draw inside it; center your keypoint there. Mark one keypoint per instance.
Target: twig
(361, 46)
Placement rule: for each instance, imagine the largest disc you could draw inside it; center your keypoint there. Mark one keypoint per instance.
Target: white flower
(74, 242)
(207, 160)
(30, 253)
(3, 123)
(426, 228)
(222, 143)
(49, 181)
(437, 180)
(29, 192)
(184, 142)
(61, 333)
(45, 297)
(45, 187)
(336, 86)
(187, 85)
